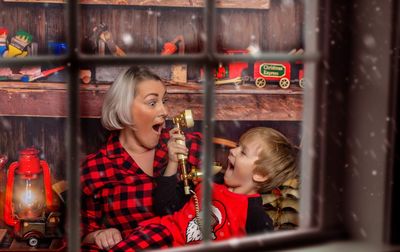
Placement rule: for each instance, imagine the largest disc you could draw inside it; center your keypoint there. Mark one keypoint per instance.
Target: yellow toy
(18, 46)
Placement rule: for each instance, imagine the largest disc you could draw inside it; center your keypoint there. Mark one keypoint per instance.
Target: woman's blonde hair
(116, 110)
(276, 158)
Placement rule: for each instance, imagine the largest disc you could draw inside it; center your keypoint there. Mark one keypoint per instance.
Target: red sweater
(233, 215)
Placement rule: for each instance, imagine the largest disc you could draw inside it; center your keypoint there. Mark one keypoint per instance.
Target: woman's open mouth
(158, 127)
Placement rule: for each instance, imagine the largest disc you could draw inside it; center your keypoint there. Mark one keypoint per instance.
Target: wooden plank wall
(45, 134)
(147, 28)
(276, 29)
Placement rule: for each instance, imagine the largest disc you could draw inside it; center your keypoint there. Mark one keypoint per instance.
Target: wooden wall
(45, 134)
(275, 29)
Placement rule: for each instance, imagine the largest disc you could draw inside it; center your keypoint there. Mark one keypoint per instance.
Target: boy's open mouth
(229, 169)
(230, 165)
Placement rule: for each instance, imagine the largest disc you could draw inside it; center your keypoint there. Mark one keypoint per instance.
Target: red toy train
(260, 72)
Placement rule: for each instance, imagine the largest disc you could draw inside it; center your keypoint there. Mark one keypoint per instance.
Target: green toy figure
(18, 46)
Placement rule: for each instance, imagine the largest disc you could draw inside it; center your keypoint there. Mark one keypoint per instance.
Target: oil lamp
(28, 195)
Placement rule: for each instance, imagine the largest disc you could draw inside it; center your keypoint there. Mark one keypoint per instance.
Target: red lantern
(28, 193)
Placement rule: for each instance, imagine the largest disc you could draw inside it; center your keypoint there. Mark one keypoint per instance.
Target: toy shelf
(243, 102)
(234, 4)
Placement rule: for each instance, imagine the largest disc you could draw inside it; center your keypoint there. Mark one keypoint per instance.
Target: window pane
(112, 28)
(33, 112)
(259, 108)
(32, 192)
(32, 28)
(248, 150)
(276, 26)
(118, 181)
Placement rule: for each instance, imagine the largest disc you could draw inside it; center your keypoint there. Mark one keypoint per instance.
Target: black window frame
(323, 119)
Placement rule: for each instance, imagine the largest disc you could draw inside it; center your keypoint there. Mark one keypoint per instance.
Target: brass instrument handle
(181, 156)
(182, 164)
(186, 187)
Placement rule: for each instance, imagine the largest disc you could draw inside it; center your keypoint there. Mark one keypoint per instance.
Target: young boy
(263, 160)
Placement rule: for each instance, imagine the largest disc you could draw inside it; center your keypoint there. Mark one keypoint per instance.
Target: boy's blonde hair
(276, 158)
(116, 111)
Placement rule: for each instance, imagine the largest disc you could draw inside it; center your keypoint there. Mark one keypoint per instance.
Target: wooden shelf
(245, 102)
(233, 4)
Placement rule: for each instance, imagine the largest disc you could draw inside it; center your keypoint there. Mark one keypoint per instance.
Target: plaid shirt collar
(115, 150)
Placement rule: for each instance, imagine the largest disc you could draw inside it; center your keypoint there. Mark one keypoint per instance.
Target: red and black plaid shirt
(115, 190)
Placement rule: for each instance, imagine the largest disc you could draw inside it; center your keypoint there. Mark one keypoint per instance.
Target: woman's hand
(175, 148)
(107, 238)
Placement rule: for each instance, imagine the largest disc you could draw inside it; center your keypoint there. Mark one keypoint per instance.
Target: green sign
(272, 70)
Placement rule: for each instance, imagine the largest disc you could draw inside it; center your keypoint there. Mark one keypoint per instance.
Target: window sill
(273, 241)
(252, 4)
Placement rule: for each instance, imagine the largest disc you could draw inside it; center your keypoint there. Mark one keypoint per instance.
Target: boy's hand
(175, 148)
(107, 238)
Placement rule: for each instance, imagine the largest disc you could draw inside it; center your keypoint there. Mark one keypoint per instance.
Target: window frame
(393, 190)
(312, 229)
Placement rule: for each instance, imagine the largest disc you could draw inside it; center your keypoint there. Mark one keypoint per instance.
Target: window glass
(258, 113)
(159, 27)
(127, 114)
(261, 26)
(33, 167)
(33, 111)
(127, 111)
(30, 29)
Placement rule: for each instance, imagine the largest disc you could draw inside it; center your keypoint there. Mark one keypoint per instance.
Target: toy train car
(261, 73)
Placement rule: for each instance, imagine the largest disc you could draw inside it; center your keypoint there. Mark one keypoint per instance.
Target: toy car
(272, 71)
(42, 228)
(259, 72)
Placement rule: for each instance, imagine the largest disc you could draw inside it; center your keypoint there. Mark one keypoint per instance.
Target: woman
(118, 180)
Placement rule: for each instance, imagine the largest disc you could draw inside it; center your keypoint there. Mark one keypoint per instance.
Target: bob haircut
(277, 158)
(116, 110)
